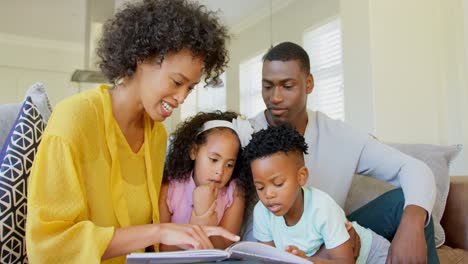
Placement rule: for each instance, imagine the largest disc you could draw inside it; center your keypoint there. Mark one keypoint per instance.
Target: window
(250, 82)
(206, 99)
(323, 45)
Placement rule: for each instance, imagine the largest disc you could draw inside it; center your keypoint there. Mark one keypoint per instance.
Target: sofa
(455, 223)
(453, 209)
(454, 220)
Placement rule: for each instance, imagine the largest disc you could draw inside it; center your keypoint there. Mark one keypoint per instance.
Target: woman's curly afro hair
(152, 28)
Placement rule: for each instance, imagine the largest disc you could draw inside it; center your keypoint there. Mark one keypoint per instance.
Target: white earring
(119, 81)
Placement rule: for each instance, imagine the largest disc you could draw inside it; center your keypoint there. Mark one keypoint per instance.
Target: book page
(261, 252)
(185, 256)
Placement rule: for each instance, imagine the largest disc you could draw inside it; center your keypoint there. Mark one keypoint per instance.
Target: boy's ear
(302, 175)
(193, 151)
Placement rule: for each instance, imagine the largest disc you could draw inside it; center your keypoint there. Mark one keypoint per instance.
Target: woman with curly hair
(201, 183)
(95, 183)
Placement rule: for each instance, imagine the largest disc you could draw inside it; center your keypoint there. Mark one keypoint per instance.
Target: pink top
(179, 200)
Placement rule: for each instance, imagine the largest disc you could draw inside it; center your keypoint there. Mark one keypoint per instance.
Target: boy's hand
(295, 251)
(203, 197)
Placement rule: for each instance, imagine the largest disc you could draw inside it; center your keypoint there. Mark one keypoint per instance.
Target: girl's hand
(191, 236)
(208, 218)
(203, 197)
(296, 251)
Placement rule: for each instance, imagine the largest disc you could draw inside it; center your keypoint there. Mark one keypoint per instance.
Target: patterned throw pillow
(9, 112)
(16, 161)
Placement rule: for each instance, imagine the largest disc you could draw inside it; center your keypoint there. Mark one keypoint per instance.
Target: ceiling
(235, 12)
(64, 20)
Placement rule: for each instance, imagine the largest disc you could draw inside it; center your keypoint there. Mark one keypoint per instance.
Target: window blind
(323, 45)
(205, 99)
(250, 82)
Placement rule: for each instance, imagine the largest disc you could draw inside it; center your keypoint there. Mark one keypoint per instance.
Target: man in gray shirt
(337, 152)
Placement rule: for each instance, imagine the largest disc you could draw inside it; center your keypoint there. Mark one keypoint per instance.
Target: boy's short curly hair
(152, 28)
(267, 142)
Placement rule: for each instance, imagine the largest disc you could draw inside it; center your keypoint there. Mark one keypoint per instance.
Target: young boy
(298, 218)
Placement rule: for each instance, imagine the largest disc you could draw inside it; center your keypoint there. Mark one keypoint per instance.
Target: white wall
(406, 69)
(359, 94)
(25, 61)
(418, 65)
(404, 65)
(61, 20)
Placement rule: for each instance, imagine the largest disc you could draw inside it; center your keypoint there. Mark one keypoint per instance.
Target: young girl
(201, 183)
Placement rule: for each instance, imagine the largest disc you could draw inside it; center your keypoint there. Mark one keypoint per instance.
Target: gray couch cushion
(8, 112)
(38, 95)
(438, 158)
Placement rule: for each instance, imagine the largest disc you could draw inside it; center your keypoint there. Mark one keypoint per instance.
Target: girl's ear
(193, 151)
(302, 175)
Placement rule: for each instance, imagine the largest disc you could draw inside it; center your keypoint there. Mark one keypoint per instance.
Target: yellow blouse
(86, 181)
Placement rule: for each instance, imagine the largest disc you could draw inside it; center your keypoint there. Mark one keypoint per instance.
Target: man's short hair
(287, 51)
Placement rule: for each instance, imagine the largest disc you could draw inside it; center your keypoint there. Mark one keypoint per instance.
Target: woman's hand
(191, 236)
(203, 197)
(129, 239)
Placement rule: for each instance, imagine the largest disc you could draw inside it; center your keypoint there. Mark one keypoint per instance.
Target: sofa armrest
(455, 218)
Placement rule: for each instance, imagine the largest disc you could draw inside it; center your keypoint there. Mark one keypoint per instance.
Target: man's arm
(409, 244)
(385, 163)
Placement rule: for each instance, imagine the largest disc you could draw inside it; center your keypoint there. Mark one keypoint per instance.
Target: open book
(240, 250)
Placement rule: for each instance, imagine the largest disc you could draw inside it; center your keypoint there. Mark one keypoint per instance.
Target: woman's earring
(119, 81)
